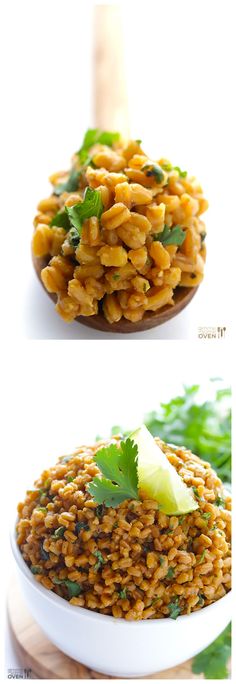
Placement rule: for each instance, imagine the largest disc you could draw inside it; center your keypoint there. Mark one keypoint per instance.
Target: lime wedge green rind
(158, 479)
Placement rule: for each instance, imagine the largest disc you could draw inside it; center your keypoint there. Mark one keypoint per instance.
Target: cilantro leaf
(70, 185)
(174, 609)
(119, 467)
(93, 136)
(212, 662)
(36, 570)
(62, 220)
(91, 206)
(73, 588)
(182, 174)
(74, 237)
(170, 573)
(171, 236)
(154, 170)
(100, 560)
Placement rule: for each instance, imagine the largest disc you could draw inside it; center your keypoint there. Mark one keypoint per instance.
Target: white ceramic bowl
(116, 646)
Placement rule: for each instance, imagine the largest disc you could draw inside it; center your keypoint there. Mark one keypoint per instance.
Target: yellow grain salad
(126, 557)
(120, 231)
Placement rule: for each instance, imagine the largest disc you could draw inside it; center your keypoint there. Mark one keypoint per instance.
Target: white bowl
(116, 646)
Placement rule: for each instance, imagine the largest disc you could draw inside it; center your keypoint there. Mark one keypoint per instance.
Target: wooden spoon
(182, 296)
(111, 113)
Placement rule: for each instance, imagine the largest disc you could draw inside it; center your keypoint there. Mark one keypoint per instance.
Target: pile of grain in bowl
(133, 561)
(120, 232)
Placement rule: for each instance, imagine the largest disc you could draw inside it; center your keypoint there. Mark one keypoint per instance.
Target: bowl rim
(93, 615)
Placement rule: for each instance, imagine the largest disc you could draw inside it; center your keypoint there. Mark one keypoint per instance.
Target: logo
(212, 333)
(24, 673)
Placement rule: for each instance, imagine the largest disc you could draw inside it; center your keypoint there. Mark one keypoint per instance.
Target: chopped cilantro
(100, 510)
(123, 594)
(195, 491)
(44, 555)
(119, 467)
(116, 276)
(154, 170)
(220, 501)
(91, 206)
(138, 141)
(93, 136)
(62, 220)
(74, 238)
(100, 560)
(182, 174)
(70, 185)
(166, 165)
(162, 560)
(170, 573)
(174, 609)
(201, 599)
(73, 588)
(36, 570)
(81, 525)
(206, 516)
(59, 532)
(212, 662)
(42, 508)
(69, 478)
(201, 559)
(171, 236)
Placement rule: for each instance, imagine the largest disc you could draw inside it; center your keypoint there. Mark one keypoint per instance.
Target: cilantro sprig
(170, 236)
(118, 465)
(212, 662)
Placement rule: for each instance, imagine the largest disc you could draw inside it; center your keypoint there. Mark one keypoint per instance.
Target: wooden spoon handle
(110, 95)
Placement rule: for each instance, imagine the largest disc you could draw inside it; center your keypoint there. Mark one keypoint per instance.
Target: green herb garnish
(162, 560)
(100, 560)
(81, 526)
(212, 662)
(36, 570)
(119, 467)
(206, 516)
(44, 555)
(123, 594)
(73, 588)
(42, 508)
(59, 532)
(201, 599)
(170, 573)
(220, 501)
(62, 220)
(91, 206)
(195, 491)
(70, 185)
(69, 478)
(116, 276)
(182, 174)
(154, 170)
(170, 236)
(93, 136)
(201, 559)
(174, 609)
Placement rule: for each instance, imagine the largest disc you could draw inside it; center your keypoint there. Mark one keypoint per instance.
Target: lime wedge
(158, 479)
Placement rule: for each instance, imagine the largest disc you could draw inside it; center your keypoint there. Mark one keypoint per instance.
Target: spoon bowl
(151, 319)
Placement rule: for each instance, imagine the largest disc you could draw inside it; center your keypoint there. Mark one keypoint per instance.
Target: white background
(179, 62)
